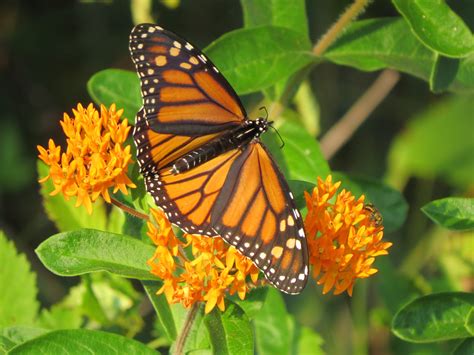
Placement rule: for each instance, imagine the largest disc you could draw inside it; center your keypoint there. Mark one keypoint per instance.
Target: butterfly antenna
(279, 136)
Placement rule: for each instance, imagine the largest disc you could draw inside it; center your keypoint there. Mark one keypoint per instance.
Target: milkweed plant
(143, 278)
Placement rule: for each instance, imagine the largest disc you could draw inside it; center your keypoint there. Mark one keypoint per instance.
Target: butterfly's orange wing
(240, 195)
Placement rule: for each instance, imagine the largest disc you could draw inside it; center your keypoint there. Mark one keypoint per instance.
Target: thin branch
(340, 133)
(188, 323)
(347, 17)
(129, 210)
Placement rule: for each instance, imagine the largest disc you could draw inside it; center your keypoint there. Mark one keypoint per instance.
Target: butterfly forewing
(183, 92)
(240, 194)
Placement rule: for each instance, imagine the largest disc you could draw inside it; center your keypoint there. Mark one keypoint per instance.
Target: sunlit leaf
(256, 58)
(87, 250)
(451, 212)
(18, 304)
(437, 26)
(79, 341)
(436, 317)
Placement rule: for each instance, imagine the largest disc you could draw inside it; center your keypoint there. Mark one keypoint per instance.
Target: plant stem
(331, 35)
(340, 133)
(141, 11)
(188, 322)
(129, 210)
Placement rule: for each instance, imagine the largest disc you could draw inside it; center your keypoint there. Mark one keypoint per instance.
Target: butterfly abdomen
(239, 137)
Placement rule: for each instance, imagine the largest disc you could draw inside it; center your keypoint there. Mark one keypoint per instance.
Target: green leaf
(272, 326)
(443, 73)
(162, 308)
(18, 304)
(465, 348)
(437, 26)
(376, 44)
(12, 336)
(451, 212)
(301, 157)
(80, 341)
(63, 213)
(86, 250)
(436, 317)
(283, 13)
(256, 58)
(117, 86)
(387, 200)
(298, 188)
(431, 134)
(229, 332)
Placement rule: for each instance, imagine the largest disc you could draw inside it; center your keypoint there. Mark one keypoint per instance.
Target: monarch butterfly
(203, 162)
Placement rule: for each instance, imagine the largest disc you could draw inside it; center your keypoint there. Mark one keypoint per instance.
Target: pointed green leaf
(87, 250)
(256, 58)
(198, 336)
(253, 302)
(80, 341)
(117, 86)
(436, 317)
(451, 212)
(437, 26)
(307, 341)
(388, 43)
(18, 304)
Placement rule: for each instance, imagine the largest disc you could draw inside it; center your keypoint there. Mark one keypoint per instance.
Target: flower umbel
(343, 237)
(95, 159)
(212, 269)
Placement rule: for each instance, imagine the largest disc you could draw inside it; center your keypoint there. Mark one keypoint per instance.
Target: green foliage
(87, 250)
(78, 341)
(436, 317)
(452, 213)
(272, 56)
(376, 44)
(18, 304)
(257, 58)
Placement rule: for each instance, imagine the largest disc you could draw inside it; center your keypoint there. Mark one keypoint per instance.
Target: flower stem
(129, 210)
(188, 323)
(331, 35)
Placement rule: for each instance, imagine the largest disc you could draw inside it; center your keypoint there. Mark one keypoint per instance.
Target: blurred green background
(49, 50)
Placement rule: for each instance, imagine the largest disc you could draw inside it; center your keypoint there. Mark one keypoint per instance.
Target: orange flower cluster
(212, 269)
(95, 159)
(343, 236)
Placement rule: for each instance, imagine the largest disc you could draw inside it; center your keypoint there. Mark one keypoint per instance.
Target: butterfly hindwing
(256, 213)
(183, 92)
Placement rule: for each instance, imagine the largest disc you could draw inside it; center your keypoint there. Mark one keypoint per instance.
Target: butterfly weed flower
(95, 158)
(343, 237)
(196, 268)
